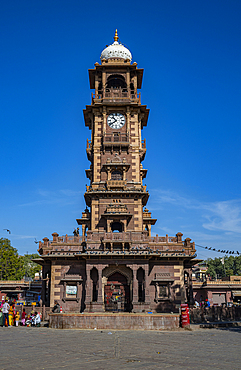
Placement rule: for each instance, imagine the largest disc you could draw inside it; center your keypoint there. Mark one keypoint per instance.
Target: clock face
(116, 120)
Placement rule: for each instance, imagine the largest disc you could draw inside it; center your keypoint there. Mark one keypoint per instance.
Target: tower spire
(116, 38)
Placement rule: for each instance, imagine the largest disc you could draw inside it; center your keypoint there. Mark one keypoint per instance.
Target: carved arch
(126, 271)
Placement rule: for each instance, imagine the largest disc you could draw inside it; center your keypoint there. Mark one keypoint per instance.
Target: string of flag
(218, 250)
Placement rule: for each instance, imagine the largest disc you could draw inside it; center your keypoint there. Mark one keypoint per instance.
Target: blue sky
(191, 54)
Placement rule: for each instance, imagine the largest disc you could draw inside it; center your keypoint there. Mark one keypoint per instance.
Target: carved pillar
(43, 292)
(124, 174)
(147, 295)
(149, 229)
(104, 120)
(100, 295)
(78, 291)
(108, 226)
(128, 120)
(88, 288)
(83, 230)
(128, 79)
(96, 86)
(103, 82)
(135, 285)
(108, 174)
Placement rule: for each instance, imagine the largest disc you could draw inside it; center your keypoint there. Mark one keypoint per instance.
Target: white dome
(116, 50)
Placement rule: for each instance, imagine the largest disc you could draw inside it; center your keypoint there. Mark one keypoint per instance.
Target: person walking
(5, 310)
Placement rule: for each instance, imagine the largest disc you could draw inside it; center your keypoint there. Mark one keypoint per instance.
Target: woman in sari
(10, 316)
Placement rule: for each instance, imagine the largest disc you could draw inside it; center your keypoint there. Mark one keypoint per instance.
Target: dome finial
(116, 38)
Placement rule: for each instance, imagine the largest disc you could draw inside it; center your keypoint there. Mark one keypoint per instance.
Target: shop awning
(12, 291)
(236, 293)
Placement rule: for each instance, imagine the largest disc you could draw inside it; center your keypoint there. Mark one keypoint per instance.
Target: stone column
(43, 292)
(100, 295)
(83, 230)
(134, 287)
(96, 86)
(147, 294)
(88, 288)
(128, 121)
(103, 82)
(104, 120)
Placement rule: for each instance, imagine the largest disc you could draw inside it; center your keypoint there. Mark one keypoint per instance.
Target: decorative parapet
(139, 242)
(116, 184)
(116, 208)
(72, 277)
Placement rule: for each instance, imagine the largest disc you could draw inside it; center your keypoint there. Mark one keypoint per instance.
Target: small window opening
(116, 175)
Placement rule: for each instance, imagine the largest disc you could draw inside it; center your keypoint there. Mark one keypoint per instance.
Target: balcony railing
(120, 237)
(116, 94)
(69, 239)
(139, 241)
(116, 138)
(115, 183)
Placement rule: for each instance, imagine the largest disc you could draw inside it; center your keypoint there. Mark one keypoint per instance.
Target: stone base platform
(114, 321)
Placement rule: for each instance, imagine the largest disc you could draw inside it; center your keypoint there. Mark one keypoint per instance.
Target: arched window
(94, 278)
(116, 175)
(116, 81)
(116, 227)
(141, 284)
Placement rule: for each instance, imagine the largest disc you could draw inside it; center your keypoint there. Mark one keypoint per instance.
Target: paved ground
(43, 348)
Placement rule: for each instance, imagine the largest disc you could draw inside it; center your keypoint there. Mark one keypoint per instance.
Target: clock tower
(116, 194)
(113, 262)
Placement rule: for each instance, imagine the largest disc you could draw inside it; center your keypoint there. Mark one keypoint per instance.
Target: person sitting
(36, 319)
(56, 308)
(28, 321)
(207, 304)
(196, 304)
(32, 317)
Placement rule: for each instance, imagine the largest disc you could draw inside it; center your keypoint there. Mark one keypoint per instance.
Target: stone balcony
(133, 242)
(116, 95)
(116, 138)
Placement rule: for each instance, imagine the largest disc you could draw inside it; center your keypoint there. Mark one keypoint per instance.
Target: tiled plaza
(44, 348)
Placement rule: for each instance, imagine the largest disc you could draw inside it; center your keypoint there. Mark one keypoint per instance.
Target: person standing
(5, 310)
(1, 317)
(17, 317)
(23, 317)
(10, 315)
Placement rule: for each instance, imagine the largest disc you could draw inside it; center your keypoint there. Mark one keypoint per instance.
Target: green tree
(30, 267)
(11, 264)
(232, 266)
(215, 267)
(237, 265)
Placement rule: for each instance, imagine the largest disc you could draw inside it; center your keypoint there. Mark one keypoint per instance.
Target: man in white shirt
(36, 319)
(5, 309)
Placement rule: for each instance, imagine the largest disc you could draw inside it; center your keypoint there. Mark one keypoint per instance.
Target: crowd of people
(10, 316)
(202, 303)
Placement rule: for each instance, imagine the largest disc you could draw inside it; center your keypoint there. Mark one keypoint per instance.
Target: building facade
(219, 292)
(114, 262)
